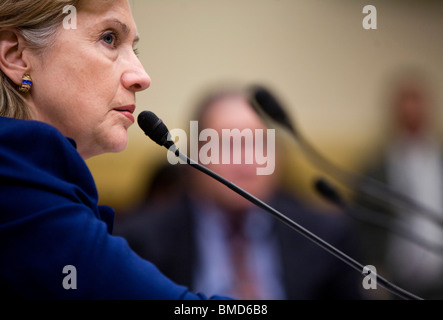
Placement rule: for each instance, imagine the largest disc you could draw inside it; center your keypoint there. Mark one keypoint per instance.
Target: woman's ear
(13, 61)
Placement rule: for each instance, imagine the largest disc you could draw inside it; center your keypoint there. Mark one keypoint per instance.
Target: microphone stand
(331, 249)
(367, 185)
(155, 129)
(265, 104)
(364, 215)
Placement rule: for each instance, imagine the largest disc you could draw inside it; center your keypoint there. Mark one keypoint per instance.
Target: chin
(120, 144)
(110, 144)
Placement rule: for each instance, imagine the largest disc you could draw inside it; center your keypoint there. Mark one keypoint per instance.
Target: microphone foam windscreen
(270, 106)
(153, 127)
(327, 191)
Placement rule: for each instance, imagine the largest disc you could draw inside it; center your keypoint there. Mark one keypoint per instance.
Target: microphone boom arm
(155, 129)
(328, 247)
(266, 105)
(365, 184)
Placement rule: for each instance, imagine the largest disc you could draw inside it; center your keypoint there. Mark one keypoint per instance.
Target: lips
(127, 111)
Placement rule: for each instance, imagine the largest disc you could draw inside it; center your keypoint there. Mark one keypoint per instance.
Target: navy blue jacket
(50, 219)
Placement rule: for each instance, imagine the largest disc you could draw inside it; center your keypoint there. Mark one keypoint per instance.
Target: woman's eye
(110, 39)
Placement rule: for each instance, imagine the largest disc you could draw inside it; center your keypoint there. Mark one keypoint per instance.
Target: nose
(135, 78)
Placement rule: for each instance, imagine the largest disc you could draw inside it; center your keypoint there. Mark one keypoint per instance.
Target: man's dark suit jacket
(166, 237)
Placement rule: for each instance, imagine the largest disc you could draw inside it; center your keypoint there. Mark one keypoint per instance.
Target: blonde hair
(38, 21)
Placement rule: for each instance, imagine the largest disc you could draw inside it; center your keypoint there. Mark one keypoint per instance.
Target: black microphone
(267, 104)
(264, 102)
(155, 129)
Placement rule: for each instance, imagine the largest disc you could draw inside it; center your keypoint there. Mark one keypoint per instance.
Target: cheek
(73, 100)
(92, 81)
(84, 91)
(89, 77)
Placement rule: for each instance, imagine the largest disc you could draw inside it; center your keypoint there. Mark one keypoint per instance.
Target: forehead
(232, 112)
(97, 11)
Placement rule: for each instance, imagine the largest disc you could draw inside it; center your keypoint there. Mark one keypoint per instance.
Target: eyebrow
(125, 29)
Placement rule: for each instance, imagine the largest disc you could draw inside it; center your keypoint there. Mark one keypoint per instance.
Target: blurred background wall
(315, 55)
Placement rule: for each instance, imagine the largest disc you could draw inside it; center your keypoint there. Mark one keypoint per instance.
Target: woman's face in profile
(85, 83)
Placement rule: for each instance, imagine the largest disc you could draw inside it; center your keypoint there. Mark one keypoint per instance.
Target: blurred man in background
(411, 163)
(213, 240)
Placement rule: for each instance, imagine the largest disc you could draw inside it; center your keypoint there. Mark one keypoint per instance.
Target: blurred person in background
(411, 163)
(212, 239)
